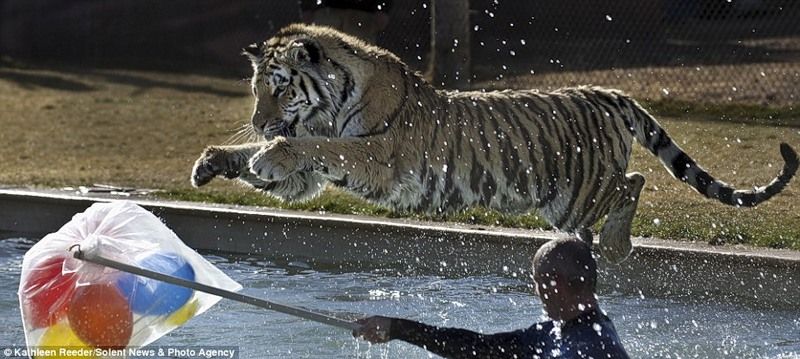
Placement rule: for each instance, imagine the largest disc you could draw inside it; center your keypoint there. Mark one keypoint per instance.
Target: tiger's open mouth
(281, 128)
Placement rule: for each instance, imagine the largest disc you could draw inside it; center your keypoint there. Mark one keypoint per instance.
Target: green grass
(715, 227)
(336, 201)
(331, 201)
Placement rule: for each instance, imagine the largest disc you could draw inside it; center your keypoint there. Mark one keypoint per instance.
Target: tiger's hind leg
(615, 237)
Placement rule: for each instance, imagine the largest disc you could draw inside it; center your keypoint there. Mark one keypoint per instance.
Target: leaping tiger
(333, 109)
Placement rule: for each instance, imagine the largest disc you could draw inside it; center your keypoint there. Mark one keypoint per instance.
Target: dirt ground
(145, 129)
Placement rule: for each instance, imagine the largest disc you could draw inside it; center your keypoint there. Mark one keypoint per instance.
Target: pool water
(649, 328)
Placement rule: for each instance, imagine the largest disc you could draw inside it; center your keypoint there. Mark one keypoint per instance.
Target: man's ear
(303, 51)
(253, 51)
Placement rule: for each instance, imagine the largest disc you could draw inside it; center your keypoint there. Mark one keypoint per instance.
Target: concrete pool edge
(10, 196)
(674, 268)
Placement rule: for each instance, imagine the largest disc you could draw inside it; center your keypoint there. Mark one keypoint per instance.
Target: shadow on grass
(30, 81)
(30, 78)
(143, 84)
(733, 113)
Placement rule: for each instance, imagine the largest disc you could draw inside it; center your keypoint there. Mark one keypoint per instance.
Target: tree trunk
(449, 64)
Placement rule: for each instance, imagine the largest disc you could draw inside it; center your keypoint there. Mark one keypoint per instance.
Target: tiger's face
(292, 96)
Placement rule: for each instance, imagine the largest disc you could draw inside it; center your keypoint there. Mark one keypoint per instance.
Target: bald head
(566, 276)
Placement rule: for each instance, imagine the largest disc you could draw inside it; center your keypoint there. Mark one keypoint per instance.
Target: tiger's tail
(650, 135)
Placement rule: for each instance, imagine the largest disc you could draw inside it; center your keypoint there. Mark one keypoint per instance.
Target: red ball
(101, 316)
(46, 293)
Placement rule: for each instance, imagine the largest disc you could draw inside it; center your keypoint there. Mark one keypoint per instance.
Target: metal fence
(743, 51)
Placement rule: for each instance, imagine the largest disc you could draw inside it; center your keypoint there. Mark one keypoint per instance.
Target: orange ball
(101, 316)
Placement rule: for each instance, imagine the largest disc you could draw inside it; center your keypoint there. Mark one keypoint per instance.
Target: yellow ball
(183, 314)
(63, 343)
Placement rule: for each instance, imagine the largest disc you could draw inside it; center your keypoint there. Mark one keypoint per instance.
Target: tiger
(331, 109)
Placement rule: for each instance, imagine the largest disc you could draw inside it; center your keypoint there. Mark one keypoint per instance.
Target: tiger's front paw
(214, 161)
(276, 161)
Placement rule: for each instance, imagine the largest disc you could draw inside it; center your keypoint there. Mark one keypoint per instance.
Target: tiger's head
(300, 81)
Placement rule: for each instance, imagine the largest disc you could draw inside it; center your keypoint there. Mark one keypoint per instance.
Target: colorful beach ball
(152, 297)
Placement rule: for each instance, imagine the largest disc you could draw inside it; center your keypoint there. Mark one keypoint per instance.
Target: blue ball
(152, 297)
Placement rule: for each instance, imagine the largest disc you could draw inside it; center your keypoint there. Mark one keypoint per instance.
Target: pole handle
(239, 297)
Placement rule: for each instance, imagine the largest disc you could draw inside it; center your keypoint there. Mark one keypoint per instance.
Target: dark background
(204, 36)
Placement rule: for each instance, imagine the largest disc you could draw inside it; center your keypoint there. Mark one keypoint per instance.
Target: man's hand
(374, 329)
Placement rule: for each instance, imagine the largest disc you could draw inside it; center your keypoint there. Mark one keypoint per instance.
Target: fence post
(450, 45)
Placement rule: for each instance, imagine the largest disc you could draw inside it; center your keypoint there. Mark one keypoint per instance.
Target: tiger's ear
(253, 51)
(303, 51)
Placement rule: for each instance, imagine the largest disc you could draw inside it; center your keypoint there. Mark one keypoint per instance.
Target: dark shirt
(590, 335)
(362, 5)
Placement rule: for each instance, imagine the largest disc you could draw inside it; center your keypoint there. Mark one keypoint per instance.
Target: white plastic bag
(69, 303)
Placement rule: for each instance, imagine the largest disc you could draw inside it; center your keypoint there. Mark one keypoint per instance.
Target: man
(361, 18)
(565, 274)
